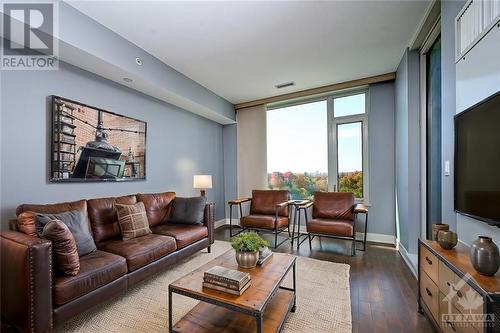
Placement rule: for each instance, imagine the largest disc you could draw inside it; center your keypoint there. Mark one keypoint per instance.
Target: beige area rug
(323, 300)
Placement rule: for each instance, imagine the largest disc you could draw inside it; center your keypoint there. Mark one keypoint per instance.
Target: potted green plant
(247, 245)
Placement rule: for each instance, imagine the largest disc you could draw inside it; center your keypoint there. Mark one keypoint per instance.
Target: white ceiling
(240, 50)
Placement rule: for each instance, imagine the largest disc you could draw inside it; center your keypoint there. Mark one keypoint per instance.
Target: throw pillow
(76, 221)
(64, 247)
(188, 210)
(133, 220)
(26, 223)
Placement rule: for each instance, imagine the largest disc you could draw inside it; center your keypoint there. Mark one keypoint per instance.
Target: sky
(297, 137)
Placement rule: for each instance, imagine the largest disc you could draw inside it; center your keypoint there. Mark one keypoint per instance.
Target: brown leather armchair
(268, 213)
(334, 215)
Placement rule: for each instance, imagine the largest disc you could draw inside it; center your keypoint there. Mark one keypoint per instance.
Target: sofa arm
(26, 281)
(13, 225)
(209, 220)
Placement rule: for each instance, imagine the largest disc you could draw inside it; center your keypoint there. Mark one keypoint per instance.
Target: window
(350, 158)
(319, 146)
(297, 149)
(349, 105)
(348, 148)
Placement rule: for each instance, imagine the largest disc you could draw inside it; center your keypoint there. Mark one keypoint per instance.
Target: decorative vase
(485, 256)
(438, 227)
(447, 239)
(247, 259)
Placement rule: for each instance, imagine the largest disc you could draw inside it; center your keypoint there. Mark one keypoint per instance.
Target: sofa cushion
(158, 206)
(188, 210)
(103, 218)
(80, 205)
(26, 223)
(263, 221)
(331, 227)
(64, 247)
(54, 208)
(333, 205)
(265, 201)
(142, 250)
(76, 221)
(133, 220)
(96, 270)
(184, 234)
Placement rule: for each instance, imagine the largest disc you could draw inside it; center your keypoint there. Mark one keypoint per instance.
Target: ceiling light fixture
(138, 61)
(127, 79)
(284, 85)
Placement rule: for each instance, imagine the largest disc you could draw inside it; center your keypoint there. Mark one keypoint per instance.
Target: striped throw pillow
(132, 220)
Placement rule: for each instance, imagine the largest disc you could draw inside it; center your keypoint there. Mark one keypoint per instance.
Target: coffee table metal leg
(258, 321)
(170, 326)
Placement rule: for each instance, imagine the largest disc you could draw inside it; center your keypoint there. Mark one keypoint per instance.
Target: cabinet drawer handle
(451, 325)
(428, 260)
(428, 292)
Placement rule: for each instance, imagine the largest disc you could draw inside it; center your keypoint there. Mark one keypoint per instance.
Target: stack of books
(227, 280)
(264, 255)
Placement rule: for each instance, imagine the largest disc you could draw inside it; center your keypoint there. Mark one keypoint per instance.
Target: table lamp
(202, 182)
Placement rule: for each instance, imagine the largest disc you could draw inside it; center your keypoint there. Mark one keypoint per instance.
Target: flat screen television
(477, 161)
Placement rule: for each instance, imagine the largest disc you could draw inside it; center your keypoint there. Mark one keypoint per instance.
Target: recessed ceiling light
(127, 79)
(138, 61)
(284, 85)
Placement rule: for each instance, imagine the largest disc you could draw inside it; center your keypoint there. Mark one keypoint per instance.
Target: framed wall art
(89, 144)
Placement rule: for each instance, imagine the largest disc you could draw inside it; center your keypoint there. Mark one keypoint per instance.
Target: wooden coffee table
(263, 307)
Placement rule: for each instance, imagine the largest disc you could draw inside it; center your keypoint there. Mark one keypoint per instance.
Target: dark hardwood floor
(383, 289)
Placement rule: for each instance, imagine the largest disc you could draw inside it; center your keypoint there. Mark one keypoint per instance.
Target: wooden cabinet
(452, 294)
(448, 324)
(430, 294)
(429, 263)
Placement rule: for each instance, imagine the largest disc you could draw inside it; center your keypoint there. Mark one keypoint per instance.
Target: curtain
(252, 149)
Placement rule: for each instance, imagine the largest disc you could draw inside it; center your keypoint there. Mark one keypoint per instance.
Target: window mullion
(332, 148)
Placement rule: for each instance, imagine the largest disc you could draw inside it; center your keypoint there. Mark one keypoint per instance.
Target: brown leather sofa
(35, 297)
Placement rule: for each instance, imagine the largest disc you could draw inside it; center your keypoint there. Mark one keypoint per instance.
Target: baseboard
(371, 237)
(378, 238)
(236, 221)
(220, 223)
(410, 259)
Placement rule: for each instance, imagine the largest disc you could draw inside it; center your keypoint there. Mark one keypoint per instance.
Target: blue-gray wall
(381, 150)
(401, 150)
(407, 162)
(179, 143)
(449, 10)
(230, 159)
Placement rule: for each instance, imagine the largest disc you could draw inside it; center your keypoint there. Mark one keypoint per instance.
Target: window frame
(332, 133)
(333, 122)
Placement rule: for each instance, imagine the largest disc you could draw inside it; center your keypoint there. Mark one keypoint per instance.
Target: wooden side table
(295, 204)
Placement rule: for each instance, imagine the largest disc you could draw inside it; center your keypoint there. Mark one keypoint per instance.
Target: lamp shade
(202, 181)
